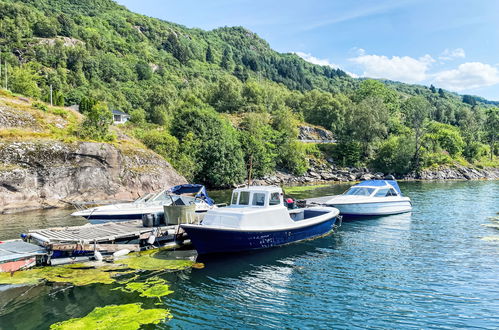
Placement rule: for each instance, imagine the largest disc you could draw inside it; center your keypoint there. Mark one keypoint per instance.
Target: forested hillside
(211, 102)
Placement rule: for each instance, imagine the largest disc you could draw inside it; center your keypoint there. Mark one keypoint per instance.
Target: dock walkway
(110, 231)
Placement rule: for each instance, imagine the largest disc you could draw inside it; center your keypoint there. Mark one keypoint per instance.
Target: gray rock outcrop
(46, 173)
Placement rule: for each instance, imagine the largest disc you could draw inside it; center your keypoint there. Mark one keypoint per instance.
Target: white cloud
(469, 75)
(450, 54)
(314, 60)
(322, 61)
(406, 69)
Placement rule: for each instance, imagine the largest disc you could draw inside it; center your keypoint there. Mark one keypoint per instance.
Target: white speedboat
(257, 219)
(185, 194)
(371, 198)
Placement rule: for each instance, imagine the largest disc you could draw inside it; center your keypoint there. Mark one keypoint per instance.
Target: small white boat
(257, 218)
(371, 198)
(186, 194)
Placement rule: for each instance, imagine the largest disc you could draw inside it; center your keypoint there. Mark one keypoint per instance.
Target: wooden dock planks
(90, 234)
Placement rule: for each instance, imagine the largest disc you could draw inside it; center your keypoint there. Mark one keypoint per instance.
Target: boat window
(360, 191)
(275, 199)
(258, 199)
(244, 198)
(392, 192)
(383, 192)
(234, 198)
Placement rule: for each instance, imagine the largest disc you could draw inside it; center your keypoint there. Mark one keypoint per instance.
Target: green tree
(227, 95)
(416, 111)
(227, 61)
(23, 80)
(219, 155)
(210, 58)
(395, 155)
(367, 122)
(144, 71)
(96, 124)
(492, 129)
(444, 136)
(258, 143)
(374, 88)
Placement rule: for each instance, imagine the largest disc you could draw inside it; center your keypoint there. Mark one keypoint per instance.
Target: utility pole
(6, 76)
(51, 103)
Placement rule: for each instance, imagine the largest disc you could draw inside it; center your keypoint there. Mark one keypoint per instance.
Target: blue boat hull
(209, 240)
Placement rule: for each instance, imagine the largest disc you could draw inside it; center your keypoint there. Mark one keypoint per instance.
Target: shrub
(96, 124)
(395, 155)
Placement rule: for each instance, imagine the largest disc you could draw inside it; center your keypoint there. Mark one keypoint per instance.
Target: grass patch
(301, 189)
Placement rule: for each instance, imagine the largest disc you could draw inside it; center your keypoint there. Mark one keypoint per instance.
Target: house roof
(118, 112)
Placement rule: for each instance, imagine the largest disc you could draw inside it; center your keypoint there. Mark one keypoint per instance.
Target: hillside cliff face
(40, 168)
(47, 173)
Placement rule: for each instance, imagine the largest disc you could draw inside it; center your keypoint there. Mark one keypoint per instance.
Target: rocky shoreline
(45, 174)
(331, 173)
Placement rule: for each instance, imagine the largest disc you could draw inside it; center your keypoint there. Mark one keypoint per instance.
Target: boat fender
(171, 232)
(98, 255)
(121, 253)
(151, 239)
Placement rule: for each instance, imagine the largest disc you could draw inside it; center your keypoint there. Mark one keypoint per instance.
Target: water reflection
(424, 269)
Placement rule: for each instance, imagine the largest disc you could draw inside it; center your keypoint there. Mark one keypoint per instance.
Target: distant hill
(161, 73)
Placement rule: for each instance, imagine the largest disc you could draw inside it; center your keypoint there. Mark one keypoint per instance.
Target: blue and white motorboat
(256, 219)
(371, 198)
(153, 203)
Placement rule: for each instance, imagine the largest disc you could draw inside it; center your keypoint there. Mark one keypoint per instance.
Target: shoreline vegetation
(207, 106)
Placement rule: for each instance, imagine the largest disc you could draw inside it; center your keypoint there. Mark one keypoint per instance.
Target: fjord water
(430, 268)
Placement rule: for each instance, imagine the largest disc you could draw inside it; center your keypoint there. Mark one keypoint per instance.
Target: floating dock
(106, 237)
(17, 255)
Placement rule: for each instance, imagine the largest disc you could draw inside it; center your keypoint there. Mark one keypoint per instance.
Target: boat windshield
(385, 192)
(360, 191)
(145, 198)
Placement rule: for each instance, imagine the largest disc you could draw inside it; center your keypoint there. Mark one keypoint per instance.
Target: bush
(219, 154)
(343, 153)
(40, 105)
(444, 136)
(23, 80)
(96, 124)
(475, 151)
(395, 155)
(293, 157)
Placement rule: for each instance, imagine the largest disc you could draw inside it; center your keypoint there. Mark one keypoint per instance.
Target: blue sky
(451, 44)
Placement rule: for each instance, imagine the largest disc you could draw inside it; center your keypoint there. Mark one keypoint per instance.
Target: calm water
(427, 269)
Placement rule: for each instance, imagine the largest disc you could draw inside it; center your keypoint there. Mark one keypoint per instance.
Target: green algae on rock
(77, 274)
(153, 287)
(129, 316)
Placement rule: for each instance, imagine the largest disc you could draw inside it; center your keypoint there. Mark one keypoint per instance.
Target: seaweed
(129, 316)
(147, 260)
(153, 287)
(77, 274)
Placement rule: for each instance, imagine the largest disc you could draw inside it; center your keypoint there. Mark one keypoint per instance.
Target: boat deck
(88, 234)
(318, 200)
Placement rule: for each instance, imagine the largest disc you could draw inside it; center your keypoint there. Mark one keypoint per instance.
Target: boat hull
(372, 209)
(208, 240)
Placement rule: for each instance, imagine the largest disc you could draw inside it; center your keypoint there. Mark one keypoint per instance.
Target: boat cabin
(374, 188)
(257, 196)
